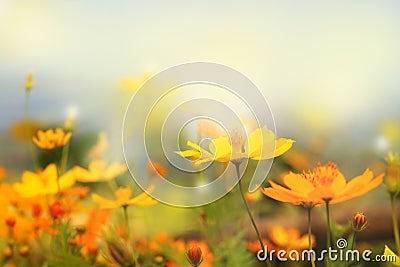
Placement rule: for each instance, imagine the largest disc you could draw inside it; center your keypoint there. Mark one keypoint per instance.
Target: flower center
(322, 175)
(237, 142)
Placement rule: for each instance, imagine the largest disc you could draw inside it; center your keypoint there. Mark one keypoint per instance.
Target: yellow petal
(191, 153)
(282, 145)
(297, 183)
(260, 141)
(389, 253)
(67, 180)
(221, 148)
(105, 203)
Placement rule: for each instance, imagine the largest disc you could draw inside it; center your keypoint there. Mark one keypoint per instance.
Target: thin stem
(28, 128)
(237, 165)
(395, 223)
(328, 232)
(353, 241)
(64, 158)
(309, 235)
(125, 208)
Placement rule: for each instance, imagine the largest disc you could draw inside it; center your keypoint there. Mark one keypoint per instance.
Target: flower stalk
(329, 231)
(309, 234)
(395, 222)
(237, 166)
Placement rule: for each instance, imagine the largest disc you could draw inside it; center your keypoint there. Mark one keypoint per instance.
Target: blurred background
(330, 70)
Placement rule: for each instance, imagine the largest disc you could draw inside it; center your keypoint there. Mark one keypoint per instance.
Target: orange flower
(51, 139)
(156, 168)
(57, 209)
(123, 198)
(2, 172)
(325, 184)
(282, 239)
(98, 171)
(97, 219)
(80, 191)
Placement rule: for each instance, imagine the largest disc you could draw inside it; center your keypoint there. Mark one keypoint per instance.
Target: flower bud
(7, 253)
(80, 229)
(392, 172)
(57, 209)
(92, 248)
(359, 222)
(10, 221)
(194, 256)
(24, 250)
(29, 81)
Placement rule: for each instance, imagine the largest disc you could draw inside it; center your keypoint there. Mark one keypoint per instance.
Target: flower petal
(297, 183)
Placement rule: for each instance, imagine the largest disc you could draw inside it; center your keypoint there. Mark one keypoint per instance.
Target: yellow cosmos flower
(44, 182)
(51, 139)
(99, 171)
(260, 145)
(392, 172)
(123, 199)
(324, 184)
(392, 256)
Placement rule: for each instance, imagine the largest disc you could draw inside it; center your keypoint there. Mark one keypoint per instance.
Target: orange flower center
(322, 175)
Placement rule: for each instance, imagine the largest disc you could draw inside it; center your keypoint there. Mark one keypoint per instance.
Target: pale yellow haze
(327, 62)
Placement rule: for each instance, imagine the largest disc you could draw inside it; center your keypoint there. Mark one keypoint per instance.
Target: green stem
(395, 223)
(328, 232)
(353, 241)
(29, 130)
(309, 234)
(64, 158)
(237, 165)
(125, 207)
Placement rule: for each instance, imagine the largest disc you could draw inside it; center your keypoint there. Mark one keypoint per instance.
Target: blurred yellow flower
(281, 238)
(123, 199)
(29, 81)
(98, 150)
(98, 171)
(44, 182)
(392, 172)
(133, 84)
(260, 145)
(324, 184)
(51, 138)
(392, 256)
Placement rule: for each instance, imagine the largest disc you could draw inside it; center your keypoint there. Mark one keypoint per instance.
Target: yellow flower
(44, 182)
(133, 84)
(123, 199)
(390, 255)
(51, 138)
(283, 239)
(260, 145)
(99, 149)
(98, 171)
(392, 172)
(29, 81)
(324, 184)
